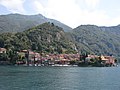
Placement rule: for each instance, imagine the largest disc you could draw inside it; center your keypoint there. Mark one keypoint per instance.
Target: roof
(2, 49)
(106, 58)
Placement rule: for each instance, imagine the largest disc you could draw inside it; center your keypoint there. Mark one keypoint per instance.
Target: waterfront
(59, 78)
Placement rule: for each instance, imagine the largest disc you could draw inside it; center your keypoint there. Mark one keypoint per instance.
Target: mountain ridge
(98, 40)
(19, 23)
(86, 38)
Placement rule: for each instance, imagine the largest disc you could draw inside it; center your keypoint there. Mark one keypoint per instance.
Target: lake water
(59, 78)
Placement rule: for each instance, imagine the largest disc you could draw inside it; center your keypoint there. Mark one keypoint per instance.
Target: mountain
(24, 32)
(97, 40)
(18, 23)
(47, 38)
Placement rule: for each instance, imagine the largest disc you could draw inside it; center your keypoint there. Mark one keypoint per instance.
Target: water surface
(59, 78)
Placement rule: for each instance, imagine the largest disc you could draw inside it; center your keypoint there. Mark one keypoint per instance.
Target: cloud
(95, 17)
(62, 10)
(70, 12)
(115, 21)
(38, 7)
(15, 6)
(92, 3)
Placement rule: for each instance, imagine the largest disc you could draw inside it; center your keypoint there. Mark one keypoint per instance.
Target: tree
(1, 42)
(59, 49)
(13, 56)
(3, 57)
(83, 56)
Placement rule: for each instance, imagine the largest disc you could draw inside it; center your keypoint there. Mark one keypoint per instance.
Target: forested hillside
(46, 38)
(20, 32)
(98, 40)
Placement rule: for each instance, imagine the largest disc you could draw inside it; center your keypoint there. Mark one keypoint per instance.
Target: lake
(59, 78)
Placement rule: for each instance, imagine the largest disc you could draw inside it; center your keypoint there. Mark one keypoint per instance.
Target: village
(30, 58)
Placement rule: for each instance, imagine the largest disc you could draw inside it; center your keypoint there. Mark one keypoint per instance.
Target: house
(89, 57)
(30, 57)
(3, 50)
(108, 60)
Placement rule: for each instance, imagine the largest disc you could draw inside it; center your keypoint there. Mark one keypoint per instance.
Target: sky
(70, 12)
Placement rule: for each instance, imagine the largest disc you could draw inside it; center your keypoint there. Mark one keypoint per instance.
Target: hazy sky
(70, 12)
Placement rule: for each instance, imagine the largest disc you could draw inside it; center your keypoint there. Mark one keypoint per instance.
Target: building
(3, 50)
(108, 60)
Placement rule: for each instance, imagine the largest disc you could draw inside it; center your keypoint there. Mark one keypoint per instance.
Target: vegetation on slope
(49, 37)
(94, 39)
(19, 23)
(46, 38)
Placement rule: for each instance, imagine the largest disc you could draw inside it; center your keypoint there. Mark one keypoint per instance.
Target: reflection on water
(59, 78)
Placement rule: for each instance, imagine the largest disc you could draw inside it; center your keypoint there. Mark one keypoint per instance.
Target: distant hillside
(98, 40)
(50, 36)
(46, 38)
(19, 23)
